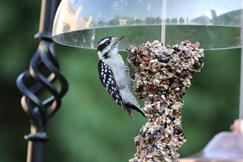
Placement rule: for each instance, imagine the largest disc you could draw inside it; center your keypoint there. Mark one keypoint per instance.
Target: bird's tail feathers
(129, 111)
(130, 106)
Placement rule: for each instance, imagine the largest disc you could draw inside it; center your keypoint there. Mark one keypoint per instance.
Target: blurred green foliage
(90, 127)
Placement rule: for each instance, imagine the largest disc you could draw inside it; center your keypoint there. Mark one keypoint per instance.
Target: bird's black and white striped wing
(108, 81)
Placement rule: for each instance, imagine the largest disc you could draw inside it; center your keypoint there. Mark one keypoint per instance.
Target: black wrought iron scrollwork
(40, 77)
(42, 85)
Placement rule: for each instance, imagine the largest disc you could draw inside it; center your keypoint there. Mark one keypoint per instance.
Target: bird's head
(108, 46)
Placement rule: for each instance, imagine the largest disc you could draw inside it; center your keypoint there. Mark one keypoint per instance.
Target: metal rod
(35, 80)
(35, 151)
(163, 21)
(48, 10)
(241, 69)
(241, 88)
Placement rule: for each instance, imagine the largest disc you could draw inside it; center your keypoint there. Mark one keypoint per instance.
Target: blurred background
(90, 127)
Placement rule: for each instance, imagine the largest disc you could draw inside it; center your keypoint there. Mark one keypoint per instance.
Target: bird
(114, 75)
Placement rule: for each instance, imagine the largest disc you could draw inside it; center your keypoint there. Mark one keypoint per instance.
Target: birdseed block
(162, 75)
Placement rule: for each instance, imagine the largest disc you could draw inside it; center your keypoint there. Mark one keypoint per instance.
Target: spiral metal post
(42, 77)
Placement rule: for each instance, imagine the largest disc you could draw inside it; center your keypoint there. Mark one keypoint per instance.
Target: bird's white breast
(121, 76)
(118, 67)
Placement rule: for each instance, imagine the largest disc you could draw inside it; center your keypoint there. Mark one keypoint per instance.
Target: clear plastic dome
(216, 24)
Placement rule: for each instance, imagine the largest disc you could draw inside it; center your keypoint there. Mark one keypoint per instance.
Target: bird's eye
(108, 42)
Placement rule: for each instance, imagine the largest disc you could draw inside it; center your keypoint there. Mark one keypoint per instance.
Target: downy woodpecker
(114, 75)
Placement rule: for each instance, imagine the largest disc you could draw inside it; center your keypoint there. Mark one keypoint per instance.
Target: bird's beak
(117, 40)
